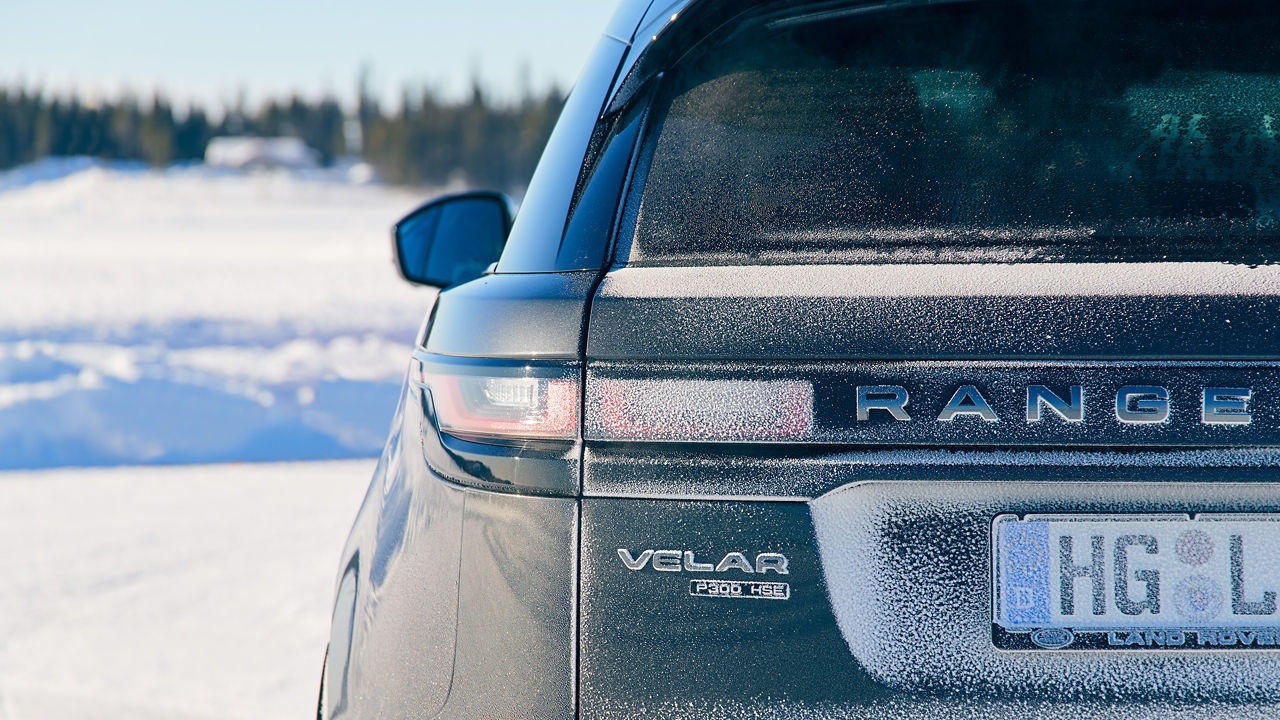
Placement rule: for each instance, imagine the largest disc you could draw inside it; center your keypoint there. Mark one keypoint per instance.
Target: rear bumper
(888, 610)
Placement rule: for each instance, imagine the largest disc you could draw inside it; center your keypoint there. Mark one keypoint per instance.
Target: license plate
(1129, 582)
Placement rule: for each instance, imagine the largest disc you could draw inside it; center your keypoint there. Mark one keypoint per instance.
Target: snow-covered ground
(169, 593)
(197, 315)
(185, 316)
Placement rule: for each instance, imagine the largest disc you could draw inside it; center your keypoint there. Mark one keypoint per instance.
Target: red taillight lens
(699, 410)
(534, 403)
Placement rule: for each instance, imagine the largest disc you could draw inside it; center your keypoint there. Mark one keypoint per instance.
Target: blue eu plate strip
(1024, 573)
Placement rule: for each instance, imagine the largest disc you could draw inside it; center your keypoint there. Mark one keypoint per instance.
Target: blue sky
(210, 50)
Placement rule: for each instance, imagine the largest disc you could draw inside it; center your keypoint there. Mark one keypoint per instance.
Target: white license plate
(1136, 582)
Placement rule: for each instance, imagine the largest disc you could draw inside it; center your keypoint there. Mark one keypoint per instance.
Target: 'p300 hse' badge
(736, 564)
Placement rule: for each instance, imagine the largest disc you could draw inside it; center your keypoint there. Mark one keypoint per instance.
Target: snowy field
(168, 593)
(185, 316)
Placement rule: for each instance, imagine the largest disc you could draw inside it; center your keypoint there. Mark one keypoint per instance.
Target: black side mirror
(452, 239)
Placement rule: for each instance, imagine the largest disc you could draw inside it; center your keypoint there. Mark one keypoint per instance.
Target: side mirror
(452, 239)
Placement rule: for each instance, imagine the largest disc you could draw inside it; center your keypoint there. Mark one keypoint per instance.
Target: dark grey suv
(871, 359)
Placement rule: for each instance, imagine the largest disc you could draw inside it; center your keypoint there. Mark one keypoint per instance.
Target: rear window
(1044, 131)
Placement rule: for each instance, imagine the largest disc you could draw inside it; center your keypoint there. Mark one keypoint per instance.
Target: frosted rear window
(976, 131)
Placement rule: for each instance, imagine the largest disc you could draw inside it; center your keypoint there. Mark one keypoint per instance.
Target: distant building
(260, 152)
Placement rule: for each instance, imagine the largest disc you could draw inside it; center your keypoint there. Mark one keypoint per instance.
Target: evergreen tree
(156, 137)
(427, 140)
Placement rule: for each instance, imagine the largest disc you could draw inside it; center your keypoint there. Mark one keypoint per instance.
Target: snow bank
(197, 315)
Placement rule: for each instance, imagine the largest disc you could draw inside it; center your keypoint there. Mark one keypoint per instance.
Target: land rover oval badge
(1053, 638)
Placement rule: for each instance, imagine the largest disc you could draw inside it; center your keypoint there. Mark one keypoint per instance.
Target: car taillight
(514, 402)
(699, 410)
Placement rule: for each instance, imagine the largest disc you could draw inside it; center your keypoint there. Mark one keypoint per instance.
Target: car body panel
(404, 549)
(464, 599)
(804, 472)
(518, 315)
(647, 642)
(515, 653)
(1147, 311)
